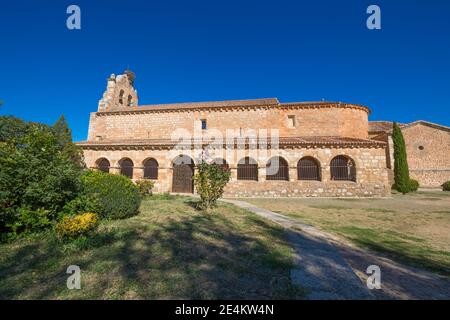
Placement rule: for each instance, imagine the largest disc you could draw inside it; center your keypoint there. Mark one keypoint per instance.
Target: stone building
(427, 149)
(271, 148)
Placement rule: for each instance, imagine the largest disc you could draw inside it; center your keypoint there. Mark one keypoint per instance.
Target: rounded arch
(183, 159)
(277, 168)
(103, 164)
(308, 168)
(343, 168)
(222, 163)
(151, 167)
(121, 94)
(247, 169)
(126, 167)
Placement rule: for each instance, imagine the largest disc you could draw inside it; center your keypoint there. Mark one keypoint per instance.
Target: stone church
(273, 149)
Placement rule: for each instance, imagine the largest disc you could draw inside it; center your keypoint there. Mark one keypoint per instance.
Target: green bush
(446, 186)
(27, 220)
(413, 185)
(210, 181)
(145, 187)
(117, 197)
(82, 203)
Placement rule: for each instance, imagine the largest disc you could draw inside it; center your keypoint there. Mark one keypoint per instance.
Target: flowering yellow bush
(72, 227)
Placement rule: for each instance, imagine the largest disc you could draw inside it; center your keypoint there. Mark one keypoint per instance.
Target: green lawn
(412, 228)
(169, 251)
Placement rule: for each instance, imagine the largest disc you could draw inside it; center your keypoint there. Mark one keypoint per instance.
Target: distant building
(427, 149)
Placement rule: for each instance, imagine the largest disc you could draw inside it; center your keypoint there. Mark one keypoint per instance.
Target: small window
(291, 121)
(421, 148)
(121, 96)
(203, 124)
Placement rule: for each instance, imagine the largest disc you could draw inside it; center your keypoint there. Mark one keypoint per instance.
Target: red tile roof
(386, 126)
(268, 102)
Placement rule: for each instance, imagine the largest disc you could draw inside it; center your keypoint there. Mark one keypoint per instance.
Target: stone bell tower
(120, 93)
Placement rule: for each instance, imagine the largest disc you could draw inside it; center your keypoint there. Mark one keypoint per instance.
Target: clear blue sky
(216, 50)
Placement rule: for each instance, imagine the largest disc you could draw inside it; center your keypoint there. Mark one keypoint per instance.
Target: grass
(412, 228)
(169, 251)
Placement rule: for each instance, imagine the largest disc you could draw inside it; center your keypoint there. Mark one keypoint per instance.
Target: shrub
(413, 185)
(210, 181)
(116, 196)
(82, 203)
(145, 187)
(27, 220)
(73, 227)
(446, 186)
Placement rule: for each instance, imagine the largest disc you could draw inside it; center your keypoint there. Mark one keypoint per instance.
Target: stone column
(138, 173)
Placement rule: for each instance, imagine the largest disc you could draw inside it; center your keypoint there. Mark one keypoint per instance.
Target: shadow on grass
(407, 249)
(195, 257)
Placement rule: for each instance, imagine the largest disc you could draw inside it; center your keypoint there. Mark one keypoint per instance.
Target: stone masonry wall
(428, 151)
(372, 176)
(326, 121)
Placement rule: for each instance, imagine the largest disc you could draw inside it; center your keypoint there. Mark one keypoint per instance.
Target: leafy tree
(210, 181)
(12, 129)
(64, 139)
(38, 176)
(401, 170)
(62, 131)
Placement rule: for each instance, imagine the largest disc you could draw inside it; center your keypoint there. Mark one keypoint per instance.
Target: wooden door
(182, 181)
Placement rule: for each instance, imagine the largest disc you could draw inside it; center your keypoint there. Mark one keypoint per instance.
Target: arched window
(221, 163)
(308, 168)
(343, 168)
(247, 169)
(151, 169)
(130, 100)
(103, 165)
(277, 169)
(126, 167)
(121, 93)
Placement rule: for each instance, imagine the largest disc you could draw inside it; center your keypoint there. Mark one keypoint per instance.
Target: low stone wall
(430, 178)
(265, 189)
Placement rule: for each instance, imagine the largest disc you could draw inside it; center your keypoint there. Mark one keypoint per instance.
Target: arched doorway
(183, 171)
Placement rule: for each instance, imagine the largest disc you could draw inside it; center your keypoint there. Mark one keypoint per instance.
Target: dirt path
(331, 268)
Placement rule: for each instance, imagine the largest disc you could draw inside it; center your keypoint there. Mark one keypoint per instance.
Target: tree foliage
(401, 170)
(210, 181)
(38, 174)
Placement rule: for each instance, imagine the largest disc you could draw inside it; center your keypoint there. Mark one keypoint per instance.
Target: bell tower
(119, 93)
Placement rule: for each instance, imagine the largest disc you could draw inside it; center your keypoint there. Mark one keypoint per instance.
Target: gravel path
(330, 268)
(321, 269)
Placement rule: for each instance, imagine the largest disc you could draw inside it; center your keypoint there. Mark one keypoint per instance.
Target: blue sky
(217, 50)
